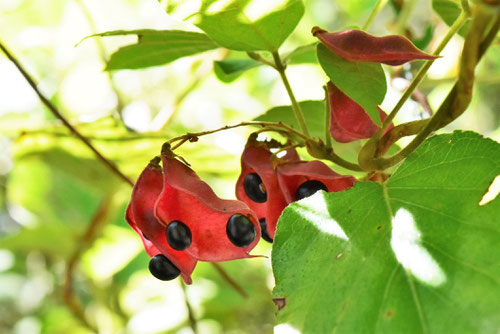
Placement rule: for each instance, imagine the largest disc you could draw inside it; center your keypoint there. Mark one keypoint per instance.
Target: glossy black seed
(254, 188)
(308, 188)
(178, 235)
(161, 268)
(145, 237)
(263, 227)
(240, 230)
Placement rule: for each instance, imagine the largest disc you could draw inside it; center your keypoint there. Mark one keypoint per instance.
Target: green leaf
(240, 24)
(305, 54)
(230, 69)
(157, 47)
(416, 255)
(449, 10)
(314, 114)
(361, 81)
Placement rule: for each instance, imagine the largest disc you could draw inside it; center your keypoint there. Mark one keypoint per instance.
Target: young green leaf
(415, 255)
(305, 54)
(314, 114)
(362, 82)
(157, 47)
(245, 25)
(230, 69)
(357, 45)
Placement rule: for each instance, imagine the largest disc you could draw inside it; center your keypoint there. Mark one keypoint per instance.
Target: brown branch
(86, 241)
(229, 280)
(59, 115)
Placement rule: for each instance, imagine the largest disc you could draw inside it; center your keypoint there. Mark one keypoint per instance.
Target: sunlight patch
(285, 329)
(492, 192)
(314, 209)
(218, 6)
(258, 9)
(405, 242)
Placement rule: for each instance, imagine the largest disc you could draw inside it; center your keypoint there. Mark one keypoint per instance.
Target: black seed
(178, 235)
(308, 188)
(161, 268)
(240, 230)
(254, 188)
(263, 227)
(145, 237)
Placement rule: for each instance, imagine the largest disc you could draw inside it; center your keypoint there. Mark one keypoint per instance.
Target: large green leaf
(362, 81)
(246, 25)
(314, 114)
(416, 255)
(157, 47)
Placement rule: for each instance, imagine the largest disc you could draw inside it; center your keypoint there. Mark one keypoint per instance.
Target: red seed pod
(349, 121)
(140, 216)
(257, 185)
(203, 225)
(301, 179)
(357, 45)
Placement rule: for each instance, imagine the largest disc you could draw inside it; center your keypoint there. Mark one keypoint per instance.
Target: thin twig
(59, 115)
(295, 105)
(229, 280)
(316, 149)
(404, 14)
(86, 240)
(378, 7)
(191, 317)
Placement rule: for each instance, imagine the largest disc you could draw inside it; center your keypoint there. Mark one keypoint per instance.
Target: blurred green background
(52, 187)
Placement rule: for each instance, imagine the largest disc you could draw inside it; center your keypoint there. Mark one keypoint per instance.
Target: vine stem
(423, 70)
(378, 7)
(326, 153)
(193, 136)
(59, 115)
(295, 105)
(328, 115)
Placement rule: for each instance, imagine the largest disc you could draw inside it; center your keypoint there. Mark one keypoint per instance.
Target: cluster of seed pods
(269, 183)
(182, 221)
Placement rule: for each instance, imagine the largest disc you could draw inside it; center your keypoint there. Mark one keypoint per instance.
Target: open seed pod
(140, 216)
(198, 222)
(301, 179)
(257, 184)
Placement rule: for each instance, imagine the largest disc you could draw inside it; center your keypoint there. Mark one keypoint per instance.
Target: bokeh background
(52, 188)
